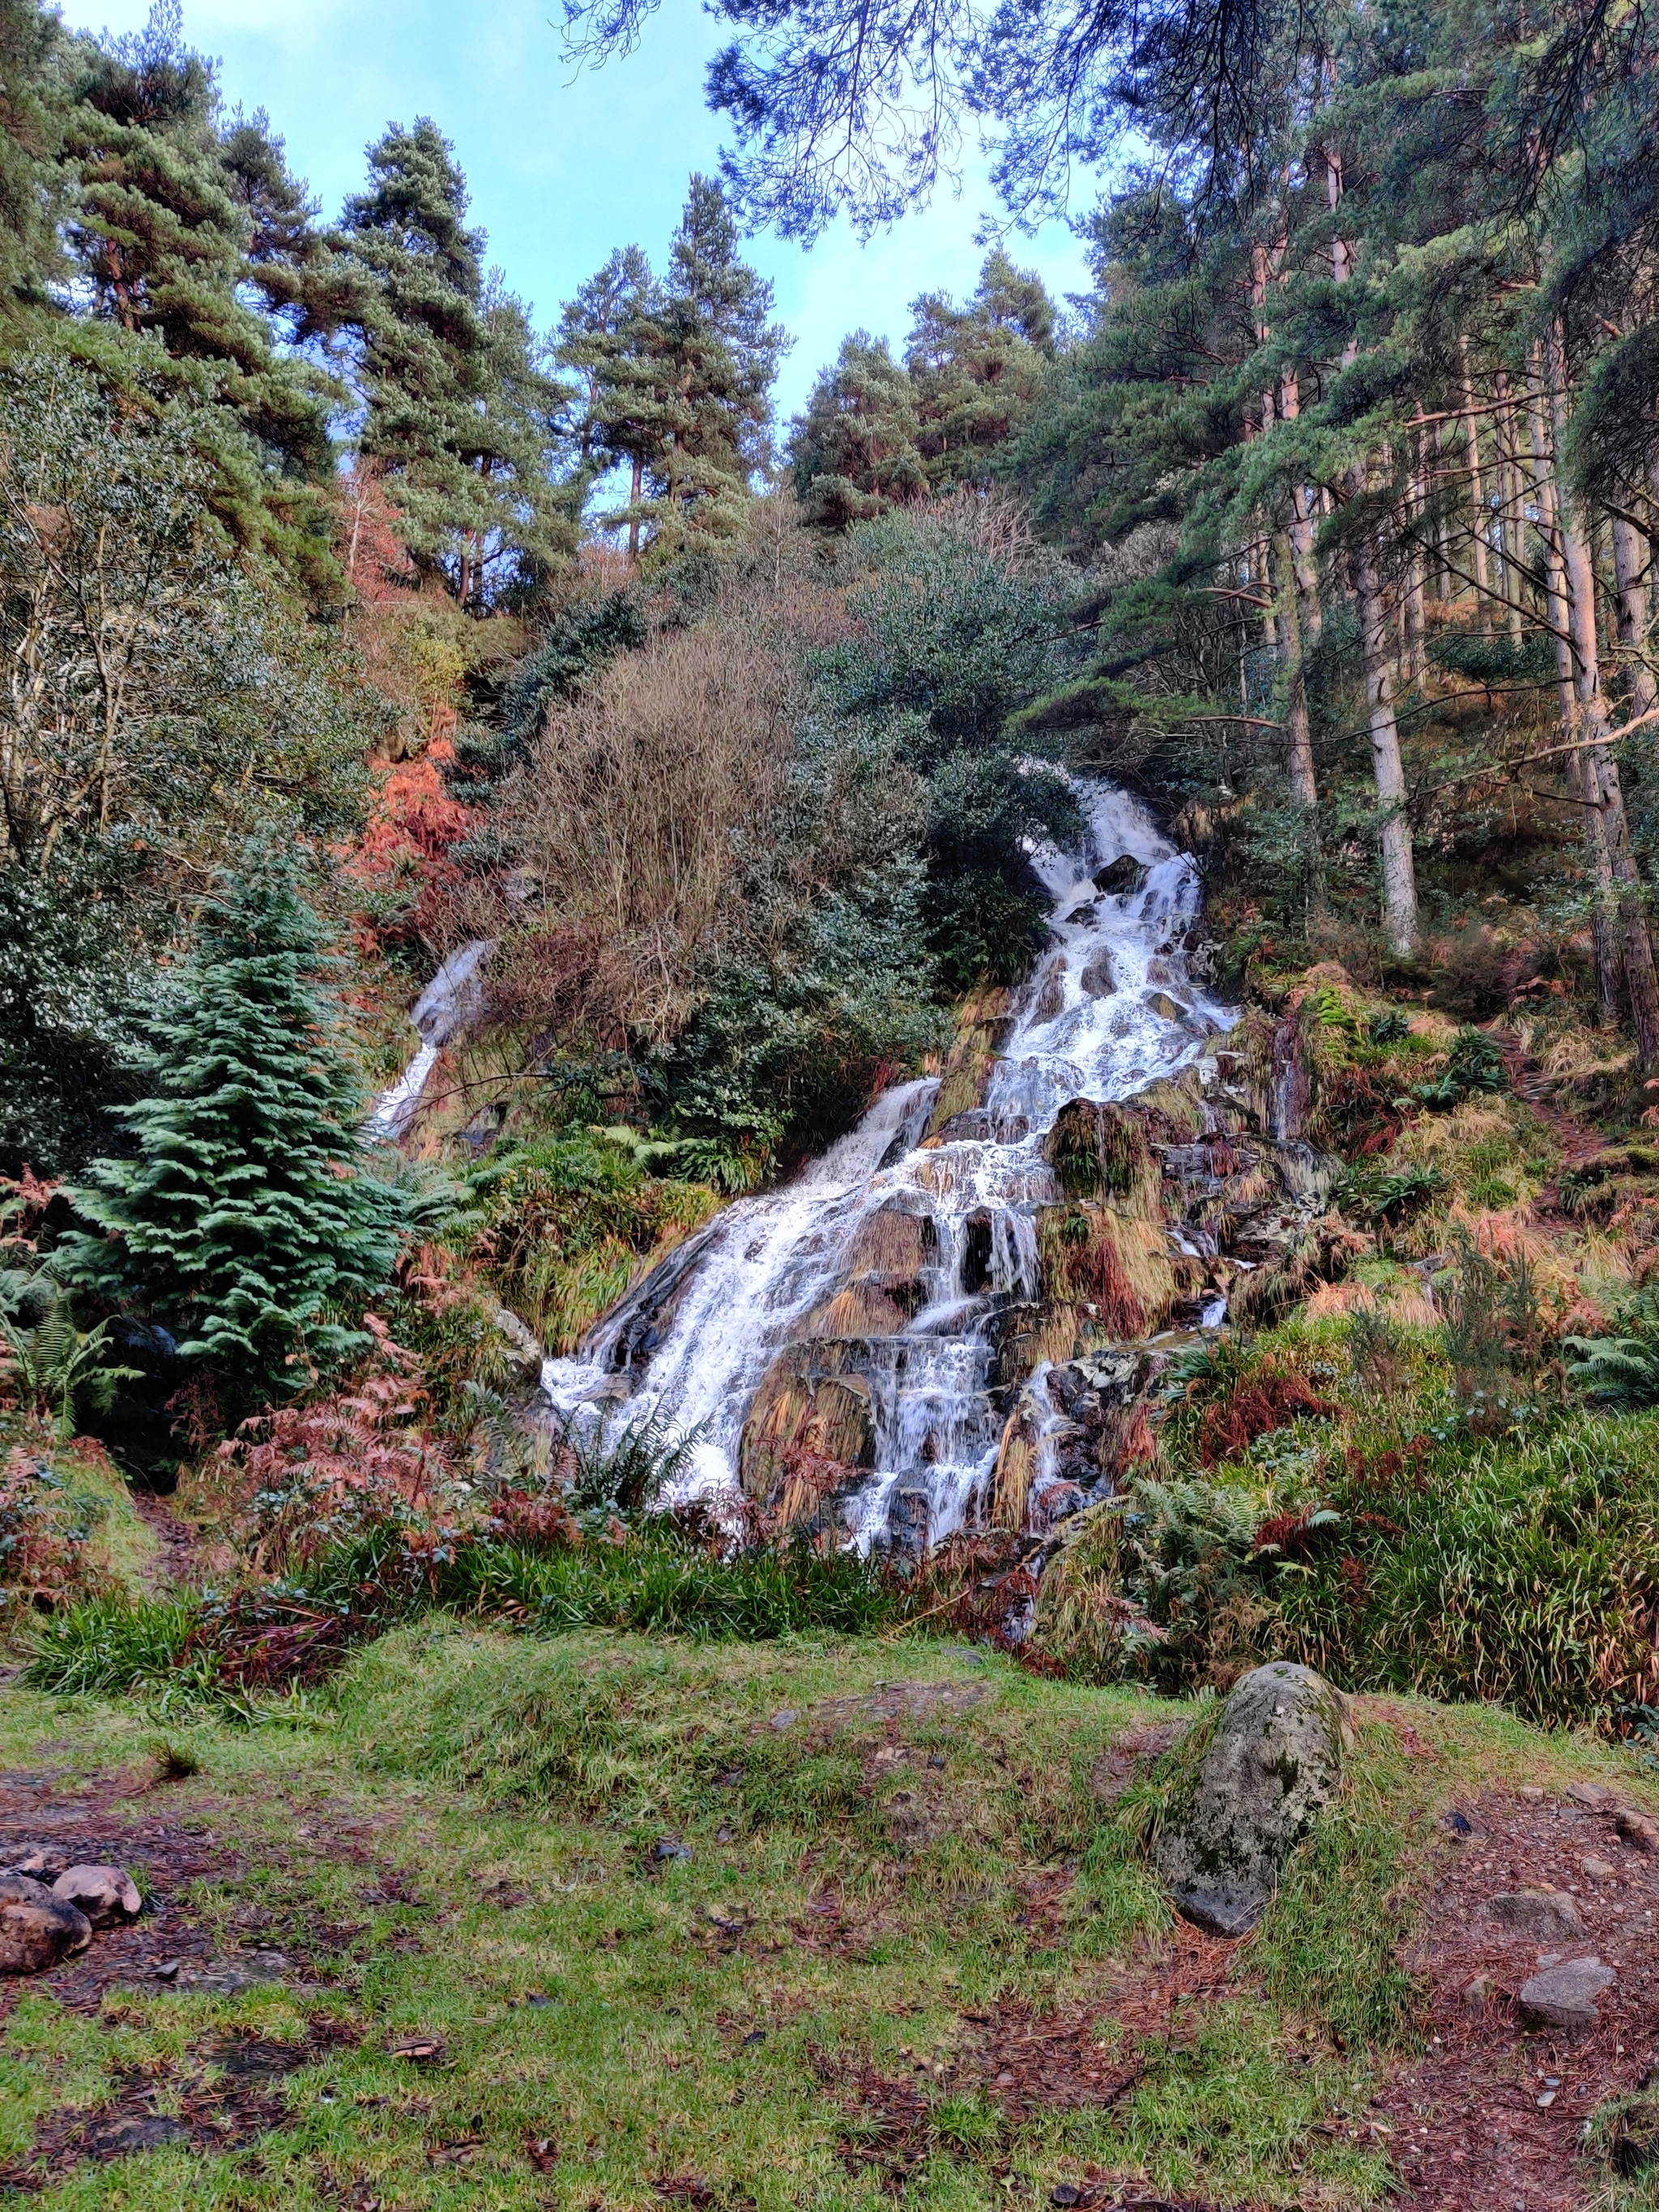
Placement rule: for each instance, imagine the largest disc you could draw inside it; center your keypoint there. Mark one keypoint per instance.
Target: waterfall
(451, 1002)
(1110, 1006)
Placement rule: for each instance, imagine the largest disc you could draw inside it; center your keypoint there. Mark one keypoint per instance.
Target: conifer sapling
(247, 1218)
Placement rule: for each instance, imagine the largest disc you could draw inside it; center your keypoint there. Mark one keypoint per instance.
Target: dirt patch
(167, 1852)
(174, 1562)
(1130, 1756)
(1491, 2113)
(225, 2092)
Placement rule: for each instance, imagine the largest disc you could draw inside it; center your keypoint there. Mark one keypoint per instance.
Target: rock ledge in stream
(1274, 1761)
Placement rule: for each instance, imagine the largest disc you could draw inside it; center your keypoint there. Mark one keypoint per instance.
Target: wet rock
(1170, 1009)
(1087, 912)
(1097, 979)
(906, 1523)
(1565, 1996)
(1051, 997)
(37, 1929)
(106, 1894)
(1274, 1762)
(1636, 1828)
(1541, 1915)
(1119, 877)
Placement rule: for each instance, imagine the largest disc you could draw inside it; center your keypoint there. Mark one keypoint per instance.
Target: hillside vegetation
(376, 657)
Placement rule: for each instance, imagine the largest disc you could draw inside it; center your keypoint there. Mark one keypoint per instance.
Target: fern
(1621, 1370)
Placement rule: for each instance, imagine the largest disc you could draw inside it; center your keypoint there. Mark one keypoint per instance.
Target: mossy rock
(1274, 1764)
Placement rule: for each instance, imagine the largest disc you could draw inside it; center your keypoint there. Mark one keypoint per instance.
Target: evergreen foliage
(246, 1219)
(855, 450)
(676, 376)
(459, 414)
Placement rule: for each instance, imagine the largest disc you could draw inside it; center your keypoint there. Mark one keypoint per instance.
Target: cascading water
(451, 1002)
(1111, 1007)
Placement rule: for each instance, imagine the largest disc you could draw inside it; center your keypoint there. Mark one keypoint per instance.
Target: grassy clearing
(885, 1842)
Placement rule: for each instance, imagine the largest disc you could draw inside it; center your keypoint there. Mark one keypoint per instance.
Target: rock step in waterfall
(938, 1323)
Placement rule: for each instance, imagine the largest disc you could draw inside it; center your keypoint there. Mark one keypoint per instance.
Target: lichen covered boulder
(1273, 1763)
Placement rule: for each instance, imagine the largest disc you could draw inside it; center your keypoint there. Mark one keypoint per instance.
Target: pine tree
(676, 378)
(246, 1219)
(162, 240)
(719, 355)
(33, 184)
(611, 339)
(854, 452)
(459, 414)
(977, 370)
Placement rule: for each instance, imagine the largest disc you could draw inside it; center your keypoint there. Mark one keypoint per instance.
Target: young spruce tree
(246, 1219)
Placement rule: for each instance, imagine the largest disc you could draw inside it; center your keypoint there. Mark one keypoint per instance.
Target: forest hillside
(733, 1153)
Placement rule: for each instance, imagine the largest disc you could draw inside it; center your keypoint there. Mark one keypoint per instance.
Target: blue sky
(564, 167)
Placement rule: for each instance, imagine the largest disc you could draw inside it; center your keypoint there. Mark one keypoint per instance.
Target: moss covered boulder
(1273, 1763)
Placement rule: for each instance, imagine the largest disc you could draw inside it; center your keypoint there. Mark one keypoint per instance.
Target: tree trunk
(1399, 873)
(1631, 607)
(1477, 491)
(1627, 919)
(1299, 758)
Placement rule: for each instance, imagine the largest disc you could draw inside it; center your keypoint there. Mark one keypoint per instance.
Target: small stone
(1066, 2193)
(1546, 2099)
(1478, 1993)
(1591, 1794)
(1538, 1914)
(168, 1971)
(786, 1719)
(1170, 1009)
(1564, 1997)
(1599, 1869)
(667, 1848)
(1530, 1794)
(1636, 1828)
(37, 1929)
(106, 1894)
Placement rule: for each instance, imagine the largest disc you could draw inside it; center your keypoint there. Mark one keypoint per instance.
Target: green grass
(470, 1757)
(841, 1905)
(107, 1645)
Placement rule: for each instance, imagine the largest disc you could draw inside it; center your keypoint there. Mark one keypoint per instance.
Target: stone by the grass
(1636, 1828)
(1530, 1794)
(37, 1929)
(1540, 1915)
(1565, 1996)
(108, 1894)
(1479, 1993)
(1274, 1761)
(1591, 1794)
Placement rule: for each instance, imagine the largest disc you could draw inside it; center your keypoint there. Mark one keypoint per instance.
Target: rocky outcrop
(1273, 1763)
